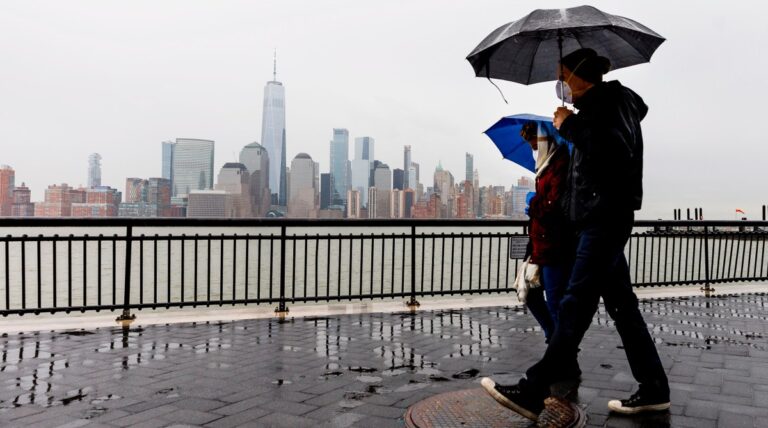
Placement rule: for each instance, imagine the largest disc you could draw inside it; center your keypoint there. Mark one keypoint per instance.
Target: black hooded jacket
(606, 171)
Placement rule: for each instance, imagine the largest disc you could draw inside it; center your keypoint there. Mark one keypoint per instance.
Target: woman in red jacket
(551, 243)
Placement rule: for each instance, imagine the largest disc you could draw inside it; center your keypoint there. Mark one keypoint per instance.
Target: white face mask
(563, 91)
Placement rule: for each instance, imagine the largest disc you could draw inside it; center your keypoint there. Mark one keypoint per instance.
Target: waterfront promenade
(366, 369)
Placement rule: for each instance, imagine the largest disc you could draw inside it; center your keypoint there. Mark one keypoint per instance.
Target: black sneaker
(512, 397)
(640, 402)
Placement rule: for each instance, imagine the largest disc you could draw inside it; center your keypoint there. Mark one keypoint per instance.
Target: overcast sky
(118, 77)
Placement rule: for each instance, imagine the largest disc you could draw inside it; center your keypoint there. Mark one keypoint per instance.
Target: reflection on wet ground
(376, 365)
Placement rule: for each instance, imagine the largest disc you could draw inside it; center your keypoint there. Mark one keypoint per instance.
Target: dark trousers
(600, 270)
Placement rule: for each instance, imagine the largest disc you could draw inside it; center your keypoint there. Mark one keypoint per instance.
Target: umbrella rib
(619, 35)
(533, 61)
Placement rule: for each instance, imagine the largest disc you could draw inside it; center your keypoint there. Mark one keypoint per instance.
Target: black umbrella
(528, 50)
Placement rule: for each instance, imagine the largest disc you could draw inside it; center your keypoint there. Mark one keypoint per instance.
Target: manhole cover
(468, 408)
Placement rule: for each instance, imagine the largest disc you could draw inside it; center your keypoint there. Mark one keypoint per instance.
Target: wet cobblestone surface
(367, 369)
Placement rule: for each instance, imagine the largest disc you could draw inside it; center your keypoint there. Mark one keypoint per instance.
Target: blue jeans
(600, 270)
(554, 278)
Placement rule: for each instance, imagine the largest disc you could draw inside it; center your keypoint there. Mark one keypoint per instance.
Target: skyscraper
(325, 191)
(94, 170)
(398, 178)
(444, 187)
(362, 168)
(303, 192)
(273, 136)
(382, 179)
(339, 167)
(469, 167)
(7, 180)
(256, 159)
(191, 165)
(167, 165)
(407, 179)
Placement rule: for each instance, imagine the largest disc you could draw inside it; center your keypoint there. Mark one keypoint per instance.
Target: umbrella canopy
(528, 50)
(505, 134)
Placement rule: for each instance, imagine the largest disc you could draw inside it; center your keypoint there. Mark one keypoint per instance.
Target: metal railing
(65, 265)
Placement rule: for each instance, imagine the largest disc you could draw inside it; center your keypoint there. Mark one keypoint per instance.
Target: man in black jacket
(604, 189)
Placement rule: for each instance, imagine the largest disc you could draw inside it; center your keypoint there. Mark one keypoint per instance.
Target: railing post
(126, 318)
(707, 289)
(281, 310)
(412, 303)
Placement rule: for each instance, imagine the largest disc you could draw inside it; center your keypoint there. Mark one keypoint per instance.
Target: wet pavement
(367, 369)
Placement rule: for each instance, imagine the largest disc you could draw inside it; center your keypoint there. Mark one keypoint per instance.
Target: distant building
(135, 190)
(361, 168)
(409, 181)
(256, 159)
(147, 198)
(167, 162)
(396, 204)
(476, 194)
(409, 201)
(22, 204)
(353, 204)
(102, 201)
(58, 201)
(430, 208)
(191, 165)
(382, 180)
(518, 196)
(7, 184)
(373, 202)
(325, 190)
(469, 161)
(465, 201)
(444, 187)
(273, 138)
(304, 195)
(339, 167)
(94, 170)
(210, 204)
(235, 180)
(398, 177)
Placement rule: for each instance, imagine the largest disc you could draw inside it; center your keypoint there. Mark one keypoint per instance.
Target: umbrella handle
(560, 48)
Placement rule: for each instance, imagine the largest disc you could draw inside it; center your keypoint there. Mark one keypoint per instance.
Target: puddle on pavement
(358, 369)
(412, 385)
(466, 374)
(78, 333)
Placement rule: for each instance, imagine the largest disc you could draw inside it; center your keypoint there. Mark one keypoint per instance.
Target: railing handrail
(305, 222)
(387, 250)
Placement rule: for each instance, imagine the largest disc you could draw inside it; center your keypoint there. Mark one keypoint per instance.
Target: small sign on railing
(518, 246)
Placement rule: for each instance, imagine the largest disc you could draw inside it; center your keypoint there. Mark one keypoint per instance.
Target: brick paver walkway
(365, 370)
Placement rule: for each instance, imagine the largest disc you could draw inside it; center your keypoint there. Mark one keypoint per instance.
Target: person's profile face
(533, 142)
(563, 73)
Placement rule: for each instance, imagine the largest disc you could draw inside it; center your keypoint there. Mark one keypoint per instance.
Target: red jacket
(549, 230)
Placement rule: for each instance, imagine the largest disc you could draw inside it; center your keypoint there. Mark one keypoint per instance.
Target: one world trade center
(273, 136)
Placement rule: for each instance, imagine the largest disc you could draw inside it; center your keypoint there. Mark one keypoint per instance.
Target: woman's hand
(560, 115)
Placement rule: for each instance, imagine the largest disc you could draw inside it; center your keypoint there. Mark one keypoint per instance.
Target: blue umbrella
(506, 135)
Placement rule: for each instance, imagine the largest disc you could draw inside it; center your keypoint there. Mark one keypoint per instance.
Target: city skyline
(84, 85)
